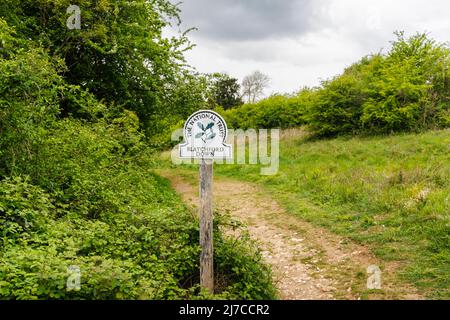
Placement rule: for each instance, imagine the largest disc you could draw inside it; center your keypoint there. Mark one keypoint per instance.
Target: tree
(253, 86)
(406, 89)
(225, 91)
(119, 53)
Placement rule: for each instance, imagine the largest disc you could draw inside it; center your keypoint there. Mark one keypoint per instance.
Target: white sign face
(205, 134)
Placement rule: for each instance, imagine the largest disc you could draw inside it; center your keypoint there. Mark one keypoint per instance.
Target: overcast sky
(300, 42)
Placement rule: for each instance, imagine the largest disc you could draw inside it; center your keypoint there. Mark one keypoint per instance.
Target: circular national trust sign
(205, 134)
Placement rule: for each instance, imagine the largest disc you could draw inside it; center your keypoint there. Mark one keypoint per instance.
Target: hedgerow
(277, 111)
(405, 90)
(77, 188)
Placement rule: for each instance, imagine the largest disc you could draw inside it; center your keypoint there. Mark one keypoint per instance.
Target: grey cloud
(239, 20)
(297, 42)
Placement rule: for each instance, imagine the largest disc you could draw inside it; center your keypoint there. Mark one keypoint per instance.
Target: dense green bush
(143, 248)
(132, 250)
(77, 189)
(119, 55)
(239, 263)
(336, 108)
(25, 210)
(274, 112)
(28, 103)
(406, 89)
(99, 206)
(411, 90)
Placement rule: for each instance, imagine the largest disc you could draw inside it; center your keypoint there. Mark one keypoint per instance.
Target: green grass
(391, 193)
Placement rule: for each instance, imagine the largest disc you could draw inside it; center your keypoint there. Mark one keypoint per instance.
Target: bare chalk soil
(308, 263)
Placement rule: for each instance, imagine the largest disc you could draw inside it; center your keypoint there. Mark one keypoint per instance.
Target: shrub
(92, 201)
(274, 112)
(336, 108)
(76, 181)
(405, 90)
(24, 209)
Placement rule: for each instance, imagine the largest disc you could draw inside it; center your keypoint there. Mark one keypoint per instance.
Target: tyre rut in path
(308, 263)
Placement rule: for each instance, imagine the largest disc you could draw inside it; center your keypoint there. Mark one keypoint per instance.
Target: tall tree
(253, 86)
(225, 91)
(119, 53)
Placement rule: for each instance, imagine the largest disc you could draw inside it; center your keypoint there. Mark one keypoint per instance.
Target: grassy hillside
(391, 193)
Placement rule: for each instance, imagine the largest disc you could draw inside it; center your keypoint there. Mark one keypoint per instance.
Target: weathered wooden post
(206, 225)
(205, 134)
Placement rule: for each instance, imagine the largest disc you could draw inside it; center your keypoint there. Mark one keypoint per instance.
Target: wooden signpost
(205, 134)
(206, 225)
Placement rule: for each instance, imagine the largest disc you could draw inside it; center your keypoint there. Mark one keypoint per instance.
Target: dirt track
(309, 263)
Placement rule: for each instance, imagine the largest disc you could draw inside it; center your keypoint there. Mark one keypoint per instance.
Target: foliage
(336, 109)
(188, 95)
(120, 54)
(29, 87)
(94, 203)
(412, 90)
(274, 112)
(25, 210)
(405, 90)
(224, 91)
(76, 181)
(240, 264)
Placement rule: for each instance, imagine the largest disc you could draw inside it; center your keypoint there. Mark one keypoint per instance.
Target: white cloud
(296, 46)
